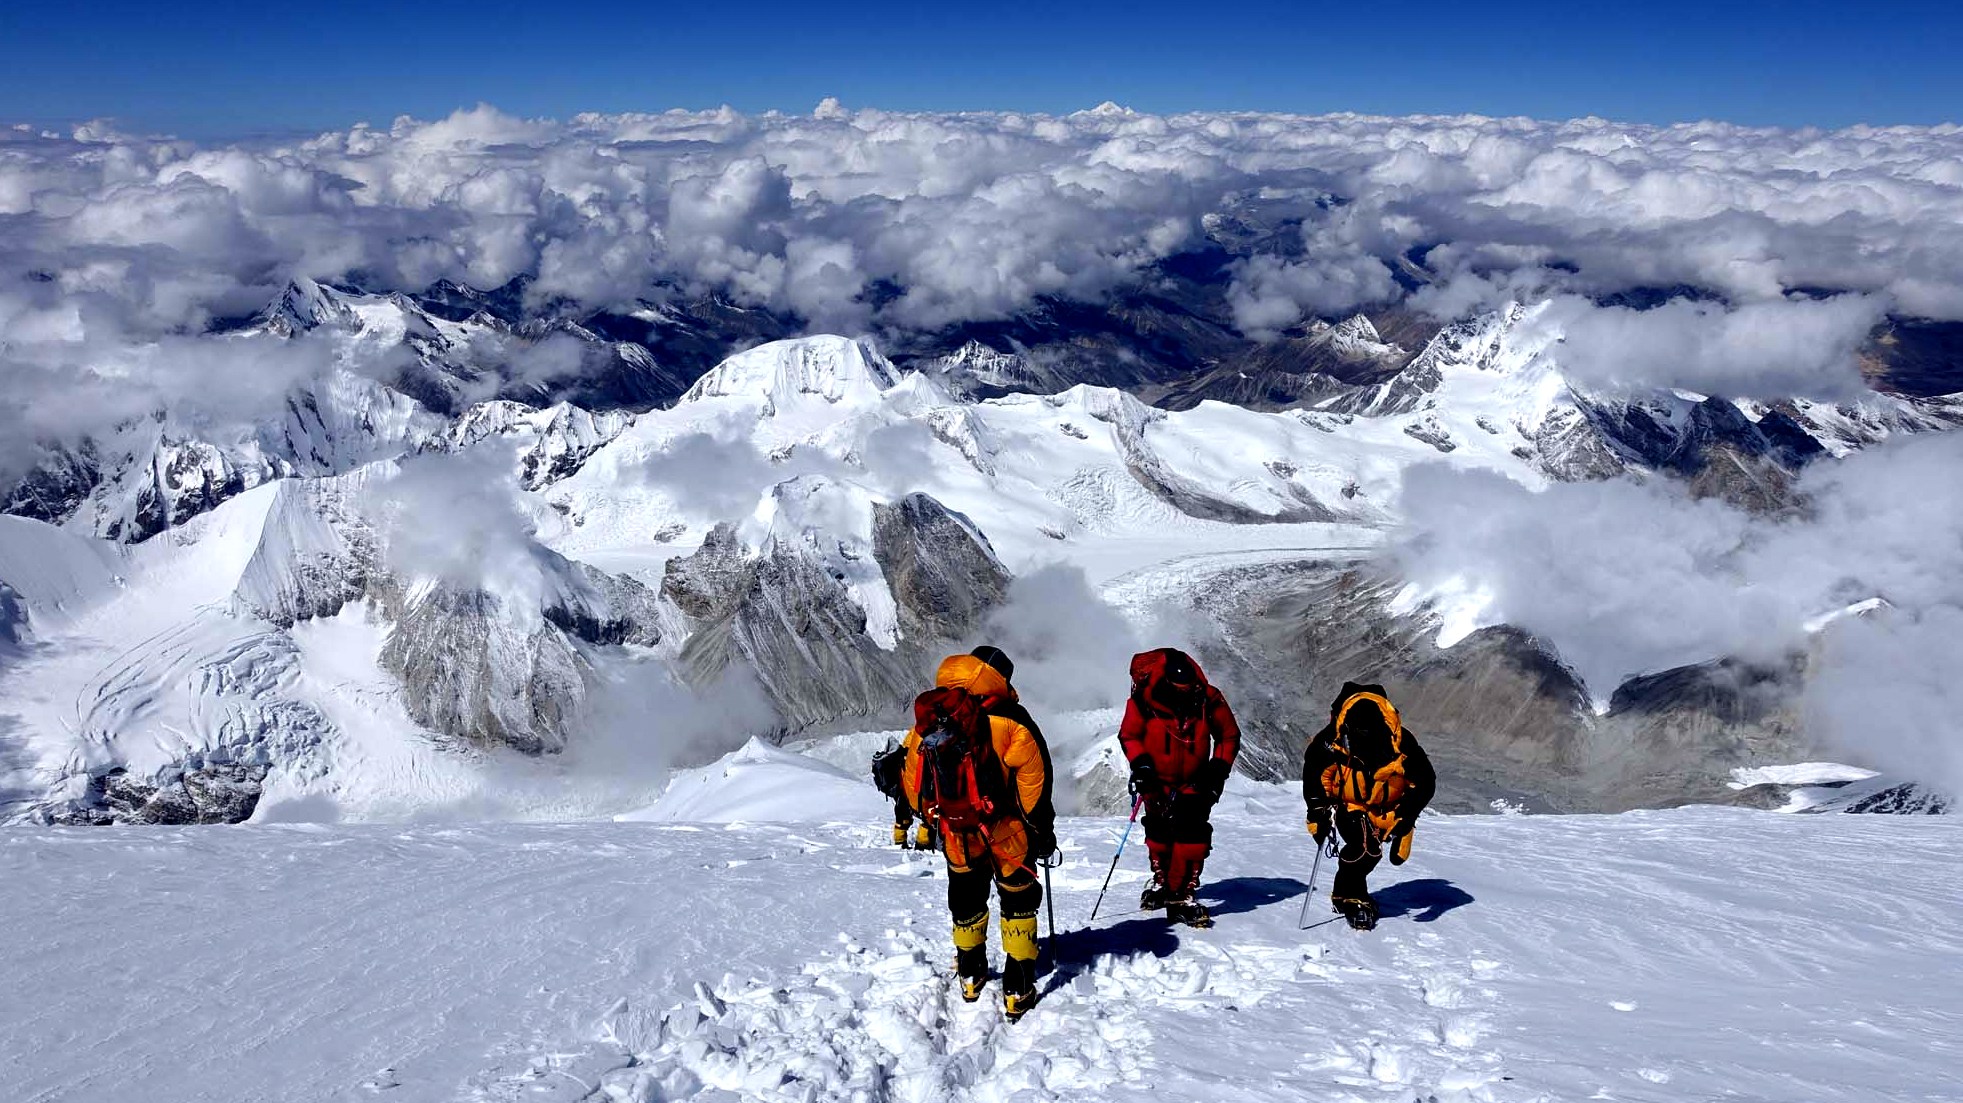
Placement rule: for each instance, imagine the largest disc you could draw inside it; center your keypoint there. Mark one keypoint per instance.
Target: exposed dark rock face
(490, 674)
(1916, 357)
(1718, 424)
(796, 627)
(473, 669)
(789, 619)
(943, 574)
(605, 609)
(51, 490)
(1305, 367)
(1908, 799)
(13, 620)
(210, 794)
(1498, 712)
(708, 583)
(1755, 484)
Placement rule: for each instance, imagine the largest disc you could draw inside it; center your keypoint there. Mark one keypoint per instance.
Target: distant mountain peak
(826, 368)
(306, 305)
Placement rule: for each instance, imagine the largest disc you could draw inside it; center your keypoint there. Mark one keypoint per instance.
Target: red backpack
(961, 779)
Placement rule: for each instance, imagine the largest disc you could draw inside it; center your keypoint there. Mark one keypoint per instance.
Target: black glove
(1042, 841)
(1145, 783)
(1212, 780)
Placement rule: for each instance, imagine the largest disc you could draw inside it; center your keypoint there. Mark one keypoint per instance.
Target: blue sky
(232, 69)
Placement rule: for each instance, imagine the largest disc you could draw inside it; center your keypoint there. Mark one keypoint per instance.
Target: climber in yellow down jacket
(1365, 778)
(980, 781)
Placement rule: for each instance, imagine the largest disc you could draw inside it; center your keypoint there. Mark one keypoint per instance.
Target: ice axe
(1136, 801)
(1320, 847)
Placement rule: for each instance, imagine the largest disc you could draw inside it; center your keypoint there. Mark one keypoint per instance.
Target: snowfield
(1688, 954)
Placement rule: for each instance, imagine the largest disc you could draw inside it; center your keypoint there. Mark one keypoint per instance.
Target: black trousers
(967, 893)
(1179, 818)
(1362, 848)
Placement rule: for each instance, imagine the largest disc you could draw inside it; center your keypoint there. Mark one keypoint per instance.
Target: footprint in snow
(863, 1024)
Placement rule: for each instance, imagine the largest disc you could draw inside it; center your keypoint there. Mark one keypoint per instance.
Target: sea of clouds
(973, 216)
(118, 250)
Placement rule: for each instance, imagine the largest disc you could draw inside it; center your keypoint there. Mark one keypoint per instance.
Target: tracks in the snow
(1133, 1005)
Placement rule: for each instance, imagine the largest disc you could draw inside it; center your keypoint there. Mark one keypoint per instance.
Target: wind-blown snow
(1798, 773)
(762, 784)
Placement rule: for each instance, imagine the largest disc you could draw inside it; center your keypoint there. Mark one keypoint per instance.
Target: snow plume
(457, 519)
(711, 476)
(1071, 648)
(1627, 578)
(1624, 577)
(62, 383)
(1890, 690)
(639, 724)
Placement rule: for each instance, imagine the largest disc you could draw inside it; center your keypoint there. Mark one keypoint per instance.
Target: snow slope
(761, 783)
(1689, 954)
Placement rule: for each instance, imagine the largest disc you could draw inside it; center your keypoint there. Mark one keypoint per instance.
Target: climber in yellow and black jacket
(981, 782)
(1365, 777)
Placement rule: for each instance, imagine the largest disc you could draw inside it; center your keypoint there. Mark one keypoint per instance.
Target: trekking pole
(1320, 846)
(1049, 896)
(1136, 801)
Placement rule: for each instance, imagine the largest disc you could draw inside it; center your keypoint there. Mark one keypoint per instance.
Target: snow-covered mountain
(382, 598)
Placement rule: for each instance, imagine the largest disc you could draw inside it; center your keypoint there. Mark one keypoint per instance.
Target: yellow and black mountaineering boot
(900, 835)
(1360, 911)
(923, 836)
(971, 955)
(1019, 965)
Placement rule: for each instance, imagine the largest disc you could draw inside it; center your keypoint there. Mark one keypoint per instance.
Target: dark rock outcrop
(212, 794)
(477, 670)
(797, 629)
(792, 621)
(1498, 712)
(943, 574)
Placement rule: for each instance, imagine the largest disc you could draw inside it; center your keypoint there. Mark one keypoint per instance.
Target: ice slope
(228, 641)
(1689, 954)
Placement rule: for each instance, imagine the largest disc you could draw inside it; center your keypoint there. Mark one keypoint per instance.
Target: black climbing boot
(1189, 911)
(971, 965)
(1018, 987)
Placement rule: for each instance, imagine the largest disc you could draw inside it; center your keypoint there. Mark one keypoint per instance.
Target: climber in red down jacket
(1181, 739)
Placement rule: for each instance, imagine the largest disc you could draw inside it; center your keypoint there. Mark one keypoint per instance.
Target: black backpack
(888, 770)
